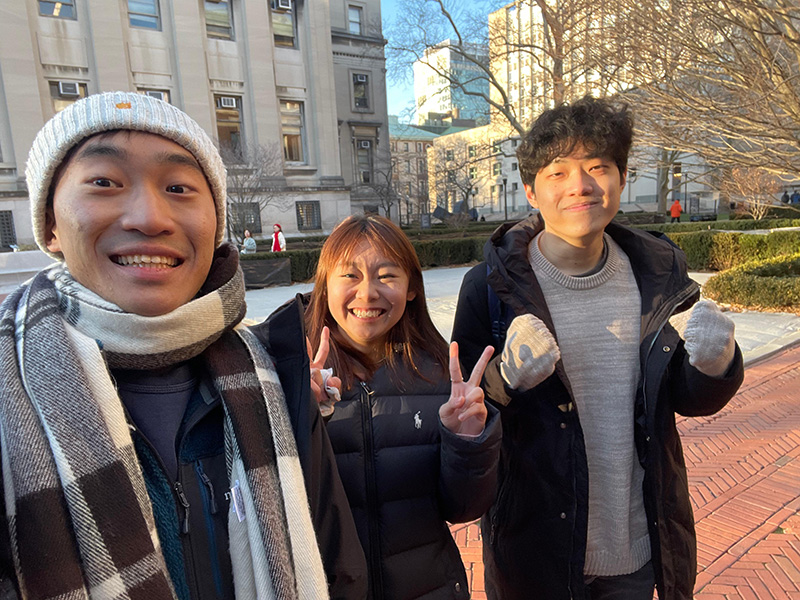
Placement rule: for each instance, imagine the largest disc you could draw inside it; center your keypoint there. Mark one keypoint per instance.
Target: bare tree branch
(255, 182)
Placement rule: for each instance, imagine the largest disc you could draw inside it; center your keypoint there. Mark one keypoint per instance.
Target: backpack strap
(498, 314)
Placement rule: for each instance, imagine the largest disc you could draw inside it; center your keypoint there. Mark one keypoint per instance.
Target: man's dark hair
(602, 128)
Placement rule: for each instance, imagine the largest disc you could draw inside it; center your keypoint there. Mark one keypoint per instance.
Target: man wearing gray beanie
(600, 341)
(152, 445)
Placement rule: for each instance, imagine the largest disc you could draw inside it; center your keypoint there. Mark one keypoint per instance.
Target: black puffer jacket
(405, 475)
(535, 533)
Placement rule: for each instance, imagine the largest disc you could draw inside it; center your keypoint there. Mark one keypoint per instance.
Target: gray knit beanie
(111, 111)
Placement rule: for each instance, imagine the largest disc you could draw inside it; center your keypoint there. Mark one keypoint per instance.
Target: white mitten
(333, 395)
(708, 337)
(530, 353)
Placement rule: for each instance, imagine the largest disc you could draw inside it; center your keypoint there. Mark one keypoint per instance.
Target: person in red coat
(675, 211)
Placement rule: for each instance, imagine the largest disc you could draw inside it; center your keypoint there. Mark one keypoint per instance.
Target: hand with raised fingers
(530, 353)
(708, 337)
(325, 387)
(465, 412)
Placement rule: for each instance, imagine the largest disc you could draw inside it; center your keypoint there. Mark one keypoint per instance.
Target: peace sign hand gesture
(325, 387)
(465, 411)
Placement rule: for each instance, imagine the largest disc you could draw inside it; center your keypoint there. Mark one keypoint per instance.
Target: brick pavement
(744, 478)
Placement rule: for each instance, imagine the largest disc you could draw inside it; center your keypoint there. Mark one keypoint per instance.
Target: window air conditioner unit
(364, 144)
(155, 94)
(227, 102)
(283, 4)
(68, 88)
(361, 78)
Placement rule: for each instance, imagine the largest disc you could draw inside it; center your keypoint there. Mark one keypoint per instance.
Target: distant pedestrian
(675, 211)
(785, 198)
(416, 446)
(601, 340)
(248, 244)
(796, 197)
(278, 241)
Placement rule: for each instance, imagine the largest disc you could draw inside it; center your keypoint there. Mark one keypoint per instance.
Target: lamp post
(505, 197)
(686, 193)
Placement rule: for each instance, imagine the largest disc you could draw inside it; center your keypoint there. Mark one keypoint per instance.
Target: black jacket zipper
(177, 487)
(373, 522)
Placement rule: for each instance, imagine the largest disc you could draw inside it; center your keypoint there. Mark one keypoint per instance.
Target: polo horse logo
(418, 420)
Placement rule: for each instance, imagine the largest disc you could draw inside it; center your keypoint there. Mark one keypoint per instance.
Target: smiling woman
(407, 440)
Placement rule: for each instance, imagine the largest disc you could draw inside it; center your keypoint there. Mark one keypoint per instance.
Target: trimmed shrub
(737, 225)
(773, 283)
(431, 253)
(696, 246)
(719, 250)
(436, 253)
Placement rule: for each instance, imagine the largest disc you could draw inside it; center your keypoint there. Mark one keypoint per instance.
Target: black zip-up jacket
(535, 533)
(191, 513)
(405, 475)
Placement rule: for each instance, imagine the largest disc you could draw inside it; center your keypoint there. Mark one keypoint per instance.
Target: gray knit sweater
(597, 322)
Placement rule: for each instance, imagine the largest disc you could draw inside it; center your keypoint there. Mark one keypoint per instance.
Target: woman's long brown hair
(413, 332)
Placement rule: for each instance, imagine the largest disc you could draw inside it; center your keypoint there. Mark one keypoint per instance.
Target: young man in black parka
(601, 340)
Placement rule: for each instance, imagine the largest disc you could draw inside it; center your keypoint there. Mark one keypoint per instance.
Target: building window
(471, 150)
(64, 93)
(229, 122)
(7, 234)
(63, 9)
(144, 14)
(405, 146)
(361, 91)
(514, 166)
(419, 146)
(496, 169)
(292, 130)
(497, 147)
(283, 26)
(473, 172)
(160, 94)
(514, 186)
(354, 19)
(408, 166)
(364, 160)
(308, 216)
(393, 146)
(421, 166)
(448, 155)
(219, 20)
(245, 215)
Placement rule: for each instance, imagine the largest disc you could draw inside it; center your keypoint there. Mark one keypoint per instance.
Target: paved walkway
(744, 478)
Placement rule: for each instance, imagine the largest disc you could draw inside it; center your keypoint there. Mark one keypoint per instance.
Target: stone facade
(272, 79)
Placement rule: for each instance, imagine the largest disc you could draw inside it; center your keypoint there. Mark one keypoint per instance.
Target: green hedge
(773, 283)
(431, 253)
(472, 229)
(717, 250)
(437, 253)
(737, 225)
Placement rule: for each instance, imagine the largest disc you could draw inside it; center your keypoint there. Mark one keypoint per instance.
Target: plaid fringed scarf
(80, 520)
